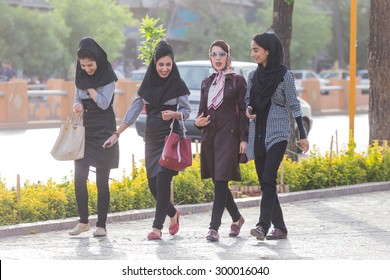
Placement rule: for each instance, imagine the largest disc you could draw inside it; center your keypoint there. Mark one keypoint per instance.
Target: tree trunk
(282, 26)
(379, 71)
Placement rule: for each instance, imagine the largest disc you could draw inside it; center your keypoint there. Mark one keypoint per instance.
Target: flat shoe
(173, 229)
(235, 228)
(100, 232)
(79, 228)
(154, 236)
(212, 235)
(258, 232)
(276, 234)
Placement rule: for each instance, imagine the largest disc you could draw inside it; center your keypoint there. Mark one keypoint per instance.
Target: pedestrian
(224, 125)
(165, 96)
(7, 73)
(95, 85)
(271, 94)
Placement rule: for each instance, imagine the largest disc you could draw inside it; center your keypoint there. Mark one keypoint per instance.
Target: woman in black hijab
(271, 94)
(95, 86)
(165, 97)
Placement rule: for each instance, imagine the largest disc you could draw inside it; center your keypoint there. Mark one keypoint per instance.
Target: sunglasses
(221, 54)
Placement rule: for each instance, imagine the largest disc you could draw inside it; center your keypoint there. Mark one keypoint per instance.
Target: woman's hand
(243, 145)
(201, 121)
(304, 144)
(169, 114)
(249, 113)
(110, 141)
(78, 107)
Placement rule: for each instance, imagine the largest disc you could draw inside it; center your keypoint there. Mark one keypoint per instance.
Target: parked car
(340, 73)
(193, 72)
(138, 74)
(301, 75)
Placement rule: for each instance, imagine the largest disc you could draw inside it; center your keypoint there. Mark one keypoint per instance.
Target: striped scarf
(215, 96)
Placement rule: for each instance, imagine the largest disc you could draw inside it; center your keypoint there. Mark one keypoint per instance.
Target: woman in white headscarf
(221, 117)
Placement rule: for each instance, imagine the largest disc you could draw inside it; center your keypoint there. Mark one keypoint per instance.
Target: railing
(26, 105)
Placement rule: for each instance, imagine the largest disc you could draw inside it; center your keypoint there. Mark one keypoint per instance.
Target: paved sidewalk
(345, 223)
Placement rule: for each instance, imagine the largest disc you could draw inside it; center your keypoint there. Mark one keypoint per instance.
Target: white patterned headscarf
(215, 95)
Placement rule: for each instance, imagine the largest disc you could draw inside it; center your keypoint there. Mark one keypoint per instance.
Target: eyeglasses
(221, 54)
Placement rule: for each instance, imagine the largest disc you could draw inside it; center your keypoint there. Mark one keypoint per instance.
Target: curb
(132, 215)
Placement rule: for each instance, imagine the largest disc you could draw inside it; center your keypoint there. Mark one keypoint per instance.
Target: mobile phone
(107, 145)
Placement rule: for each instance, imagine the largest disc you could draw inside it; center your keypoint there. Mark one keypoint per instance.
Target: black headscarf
(104, 73)
(157, 90)
(266, 79)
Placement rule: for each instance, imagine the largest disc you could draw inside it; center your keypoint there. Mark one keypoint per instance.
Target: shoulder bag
(177, 153)
(70, 142)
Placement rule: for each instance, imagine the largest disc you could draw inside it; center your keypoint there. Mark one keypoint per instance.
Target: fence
(23, 105)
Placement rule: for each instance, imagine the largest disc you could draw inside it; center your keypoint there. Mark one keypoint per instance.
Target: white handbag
(70, 142)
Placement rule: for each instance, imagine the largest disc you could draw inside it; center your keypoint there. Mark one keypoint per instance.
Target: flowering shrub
(39, 201)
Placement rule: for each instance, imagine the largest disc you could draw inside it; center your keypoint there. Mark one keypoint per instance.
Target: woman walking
(95, 82)
(221, 117)
(165, 97)
(271, 93)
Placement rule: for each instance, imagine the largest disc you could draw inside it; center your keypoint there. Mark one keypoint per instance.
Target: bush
(47, 201)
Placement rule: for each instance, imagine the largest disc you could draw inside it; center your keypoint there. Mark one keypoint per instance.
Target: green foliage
(152, 34)
(8, 211)
(48, 201)
(189, 188)
(44, 44)
(311, 30)
(40, 202)
(248, 174)
(229, 27)
(19, 28)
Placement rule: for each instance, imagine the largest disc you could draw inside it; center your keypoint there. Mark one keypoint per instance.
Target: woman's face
(259, 55)
(164, 66)
(88, 65)
(218, 58)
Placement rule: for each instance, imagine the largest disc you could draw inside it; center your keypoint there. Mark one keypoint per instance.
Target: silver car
(193, 73)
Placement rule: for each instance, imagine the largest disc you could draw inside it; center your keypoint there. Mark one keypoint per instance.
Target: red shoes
(173, 229)
(154, 236)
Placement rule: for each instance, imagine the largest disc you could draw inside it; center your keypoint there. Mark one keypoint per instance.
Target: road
(27, 152)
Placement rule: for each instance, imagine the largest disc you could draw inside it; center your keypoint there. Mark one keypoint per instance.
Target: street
(27, 152)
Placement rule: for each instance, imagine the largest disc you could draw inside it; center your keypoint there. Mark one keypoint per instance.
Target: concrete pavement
(344, 223)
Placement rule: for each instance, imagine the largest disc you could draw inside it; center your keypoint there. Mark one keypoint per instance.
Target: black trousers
(223, 198)
(80, 184)
(160, 187)
(267, 170)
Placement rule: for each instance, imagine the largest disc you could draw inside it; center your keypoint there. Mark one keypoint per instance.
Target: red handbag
(177, 153)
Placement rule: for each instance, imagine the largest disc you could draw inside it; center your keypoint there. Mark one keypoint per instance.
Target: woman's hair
(223, 45)
(85, 54)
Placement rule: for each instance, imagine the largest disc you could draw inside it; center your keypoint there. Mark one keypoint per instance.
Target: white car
(301, 75)
(193, 73)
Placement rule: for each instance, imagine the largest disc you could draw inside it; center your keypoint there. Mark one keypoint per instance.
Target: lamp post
(352, 69)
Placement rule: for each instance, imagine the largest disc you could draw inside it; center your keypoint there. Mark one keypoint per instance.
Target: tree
(32, 41)
(103, 20)
(311, 31)
(152, 34)
(282, 26)
(379, 70)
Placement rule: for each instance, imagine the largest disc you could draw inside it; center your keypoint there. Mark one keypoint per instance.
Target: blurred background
(40, 38)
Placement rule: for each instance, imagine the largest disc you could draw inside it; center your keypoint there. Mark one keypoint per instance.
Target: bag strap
(75, 118)
(182, 123)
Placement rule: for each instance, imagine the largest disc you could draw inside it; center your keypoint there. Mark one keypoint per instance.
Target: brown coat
(220, 142)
